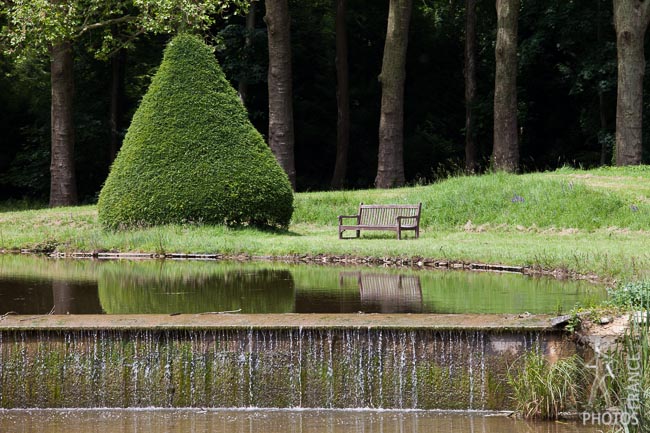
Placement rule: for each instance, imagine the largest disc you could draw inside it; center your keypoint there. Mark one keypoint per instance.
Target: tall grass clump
(613, 387)
(622, 382)
(543, 390)
(621, 387)
(634, 382)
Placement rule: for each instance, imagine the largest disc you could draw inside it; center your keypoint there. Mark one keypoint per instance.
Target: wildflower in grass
(517, 199)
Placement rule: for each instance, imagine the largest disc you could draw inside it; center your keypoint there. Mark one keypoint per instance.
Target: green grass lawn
(591, 222)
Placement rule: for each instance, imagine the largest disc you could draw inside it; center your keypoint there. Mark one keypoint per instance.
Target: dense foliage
(631, 295)
(192, 155)
(566, 91)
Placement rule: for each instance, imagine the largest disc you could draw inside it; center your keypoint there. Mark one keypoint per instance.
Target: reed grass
(621, 384)
(613, 387)
(543, 390)
(623, 372)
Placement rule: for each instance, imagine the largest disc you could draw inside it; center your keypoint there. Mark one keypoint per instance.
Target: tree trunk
(342, 97)
(63, 188)
(505, 154)
(281, 138)
(62, 294)
(250, 27)
(390, 167)
(601, 97)
(471, 149)
(630, 20)
(118, 62)
(603, 128)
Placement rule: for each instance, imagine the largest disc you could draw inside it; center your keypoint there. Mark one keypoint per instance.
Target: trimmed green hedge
(192, 155)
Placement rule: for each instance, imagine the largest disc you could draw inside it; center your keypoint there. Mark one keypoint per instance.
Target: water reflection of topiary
(149, 288)
(192, 155)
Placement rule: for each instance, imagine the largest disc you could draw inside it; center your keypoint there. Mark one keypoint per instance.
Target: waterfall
(337, 368)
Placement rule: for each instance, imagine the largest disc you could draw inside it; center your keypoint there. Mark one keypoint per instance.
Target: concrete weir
(420, 361)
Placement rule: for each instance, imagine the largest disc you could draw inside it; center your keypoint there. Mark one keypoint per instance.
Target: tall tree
(36, 26)
(248, 43)
(602, 111)
(471, 148)
(281, 135)
(390, 167)
(631, 18)
(54, 25)
(505, 153)
(342, 97)
(63, 183)
(62, 297)
(118, 66)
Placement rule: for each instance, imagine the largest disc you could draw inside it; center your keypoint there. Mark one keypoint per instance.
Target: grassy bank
(594, 221)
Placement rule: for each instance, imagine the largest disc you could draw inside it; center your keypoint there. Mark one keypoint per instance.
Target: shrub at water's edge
(631, 295)
(192, 155)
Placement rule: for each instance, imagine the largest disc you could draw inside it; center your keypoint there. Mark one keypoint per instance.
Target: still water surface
(271, 421)
(38, 285)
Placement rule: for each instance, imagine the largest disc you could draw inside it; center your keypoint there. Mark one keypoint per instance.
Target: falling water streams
(274, 368)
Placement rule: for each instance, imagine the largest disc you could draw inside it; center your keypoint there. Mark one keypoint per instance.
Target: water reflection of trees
(43, 296)
(27, 285)
(146, 288)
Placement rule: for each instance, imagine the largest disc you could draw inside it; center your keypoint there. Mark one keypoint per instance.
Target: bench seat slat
(376, 227)
(373, 227)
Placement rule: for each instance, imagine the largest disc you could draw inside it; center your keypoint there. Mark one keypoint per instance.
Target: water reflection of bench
(391, 293)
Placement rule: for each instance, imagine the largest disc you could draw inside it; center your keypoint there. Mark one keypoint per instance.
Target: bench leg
(358, 234)
(399, 234)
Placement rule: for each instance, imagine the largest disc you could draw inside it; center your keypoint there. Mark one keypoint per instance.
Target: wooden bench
(394, 217)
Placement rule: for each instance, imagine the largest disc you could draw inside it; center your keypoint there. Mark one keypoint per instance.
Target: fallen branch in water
(8, 313)
(40, 315)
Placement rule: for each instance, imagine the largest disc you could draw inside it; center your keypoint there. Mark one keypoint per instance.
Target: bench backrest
(386, 214)
(386, 289)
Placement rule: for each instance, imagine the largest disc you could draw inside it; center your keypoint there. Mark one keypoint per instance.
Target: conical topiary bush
(191, 154)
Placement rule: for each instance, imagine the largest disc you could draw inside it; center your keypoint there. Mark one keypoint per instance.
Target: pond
(272, 421)
(34, 285)
(40, 285)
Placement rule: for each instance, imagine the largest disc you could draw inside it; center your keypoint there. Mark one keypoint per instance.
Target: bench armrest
(341, 217)
(414, 217)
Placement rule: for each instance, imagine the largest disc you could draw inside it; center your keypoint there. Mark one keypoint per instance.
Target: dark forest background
(566, 92)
